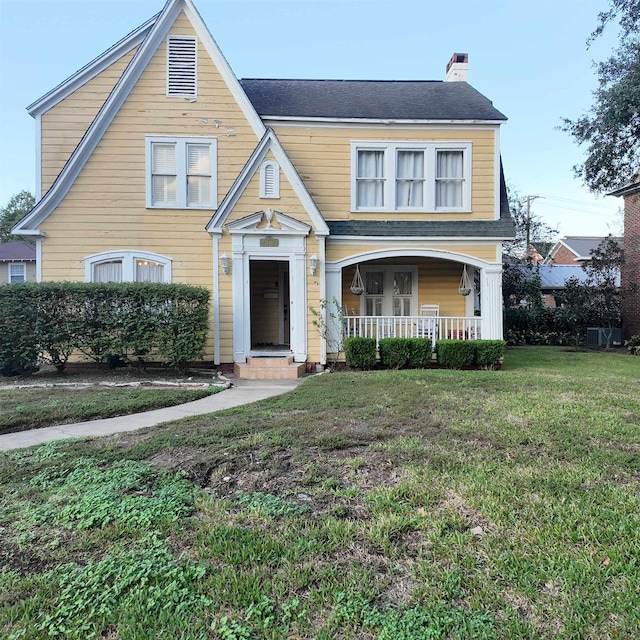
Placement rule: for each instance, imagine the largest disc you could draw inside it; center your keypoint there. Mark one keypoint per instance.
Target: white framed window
(411, 176)
(182, 67)
(181, 172)
(269, 179)
(127, 266)
(389, 290)
(17, 272)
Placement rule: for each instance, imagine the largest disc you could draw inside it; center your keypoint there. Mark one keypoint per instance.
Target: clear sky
(528, 57)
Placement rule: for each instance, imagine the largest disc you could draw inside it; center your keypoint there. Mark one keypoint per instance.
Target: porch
(433, 328)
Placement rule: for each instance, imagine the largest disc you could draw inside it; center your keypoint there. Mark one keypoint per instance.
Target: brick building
(630, 276)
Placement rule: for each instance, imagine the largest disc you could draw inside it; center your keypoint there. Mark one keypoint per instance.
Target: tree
(600, 296)
(527, 224)
(18, 206)
(611, 127)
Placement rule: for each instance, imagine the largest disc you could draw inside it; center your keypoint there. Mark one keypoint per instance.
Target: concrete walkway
(242, 392)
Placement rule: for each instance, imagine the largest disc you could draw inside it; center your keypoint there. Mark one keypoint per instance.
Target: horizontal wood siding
(323, 160)
(63, 126)
(106, 207)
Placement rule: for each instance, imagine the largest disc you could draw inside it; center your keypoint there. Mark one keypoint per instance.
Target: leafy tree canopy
(610, 129)
(18, 206)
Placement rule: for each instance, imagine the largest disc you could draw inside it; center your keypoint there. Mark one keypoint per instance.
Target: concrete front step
(270, 369)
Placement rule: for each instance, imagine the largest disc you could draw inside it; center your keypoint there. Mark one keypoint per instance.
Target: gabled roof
(91, 70)
(156, 35)
(268, 143)
(370, 99)
(17, 250)
(580, 246)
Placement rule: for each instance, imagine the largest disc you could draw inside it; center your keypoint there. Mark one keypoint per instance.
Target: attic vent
(269, 180)
(181, 66)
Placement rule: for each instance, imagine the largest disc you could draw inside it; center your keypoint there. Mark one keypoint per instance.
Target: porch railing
(434, 328)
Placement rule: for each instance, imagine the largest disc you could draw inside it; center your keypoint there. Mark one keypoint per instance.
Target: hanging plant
(357, 286)
(465, 283)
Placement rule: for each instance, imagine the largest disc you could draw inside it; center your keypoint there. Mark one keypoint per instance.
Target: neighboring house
(158, 164)
(575, 249)
(554, 278)
(630, 276)
(17, 262)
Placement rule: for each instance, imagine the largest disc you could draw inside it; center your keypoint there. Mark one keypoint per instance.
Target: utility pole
(529, 200)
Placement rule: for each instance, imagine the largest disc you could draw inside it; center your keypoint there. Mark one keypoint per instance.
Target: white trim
(215, 271)
(275, 189)
(404, 252)
(38, 189)
(287, 226)
(386, 122)
(91, 70)
(223, 68)
(268, 143)
(39, 259)
(181, 143)
(128, 258)
(322, 255)
(116, 99)
(390, 148)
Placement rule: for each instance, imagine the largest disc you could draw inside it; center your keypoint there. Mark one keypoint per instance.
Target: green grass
(347, 508)
(22, 409)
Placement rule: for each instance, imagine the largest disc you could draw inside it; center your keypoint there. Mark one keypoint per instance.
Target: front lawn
(395, 505)
(22, 409)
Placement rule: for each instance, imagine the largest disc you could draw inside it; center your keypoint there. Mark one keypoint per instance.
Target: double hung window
(411, 176)
(17, 272)
(181, 172)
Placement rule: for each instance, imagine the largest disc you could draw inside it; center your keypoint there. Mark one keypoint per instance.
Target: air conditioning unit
(597, 337)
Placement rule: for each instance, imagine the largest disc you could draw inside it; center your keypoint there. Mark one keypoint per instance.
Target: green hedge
(360, 353)
(138, 321)
(455, 354)
(413, 353)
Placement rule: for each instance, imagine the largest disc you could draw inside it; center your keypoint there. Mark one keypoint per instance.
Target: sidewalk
(242, 392)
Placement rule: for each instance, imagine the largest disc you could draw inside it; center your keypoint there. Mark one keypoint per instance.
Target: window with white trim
(182, 67)
(17, 272)
(390, 291)
(127, 266)
(411, 176)
(181, 172)
(269, 179)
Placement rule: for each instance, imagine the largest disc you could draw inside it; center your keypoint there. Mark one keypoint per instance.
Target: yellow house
(385, 199)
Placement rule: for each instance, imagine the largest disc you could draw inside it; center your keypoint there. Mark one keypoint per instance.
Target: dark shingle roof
(375, 99)
(424, 228)
(17, 250)
(582, 246)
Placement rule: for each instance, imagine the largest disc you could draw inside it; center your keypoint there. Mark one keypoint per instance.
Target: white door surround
(251, 240)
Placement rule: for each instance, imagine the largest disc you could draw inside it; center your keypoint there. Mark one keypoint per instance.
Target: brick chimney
(458, 68)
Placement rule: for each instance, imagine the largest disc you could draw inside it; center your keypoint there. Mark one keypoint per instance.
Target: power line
(580, 202)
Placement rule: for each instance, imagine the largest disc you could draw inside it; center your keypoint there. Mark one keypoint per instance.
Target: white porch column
(334, 292)
(298, 306)
(241, 302)
(491, 302)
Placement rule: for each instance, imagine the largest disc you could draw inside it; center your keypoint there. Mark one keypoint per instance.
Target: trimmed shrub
(420, 353)
(137, 321)
(455, 354)
(18, 316)
(394, 352)
(488, 353)
(360, 353)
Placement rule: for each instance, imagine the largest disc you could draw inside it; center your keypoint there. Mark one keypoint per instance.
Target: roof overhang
(628, 190)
